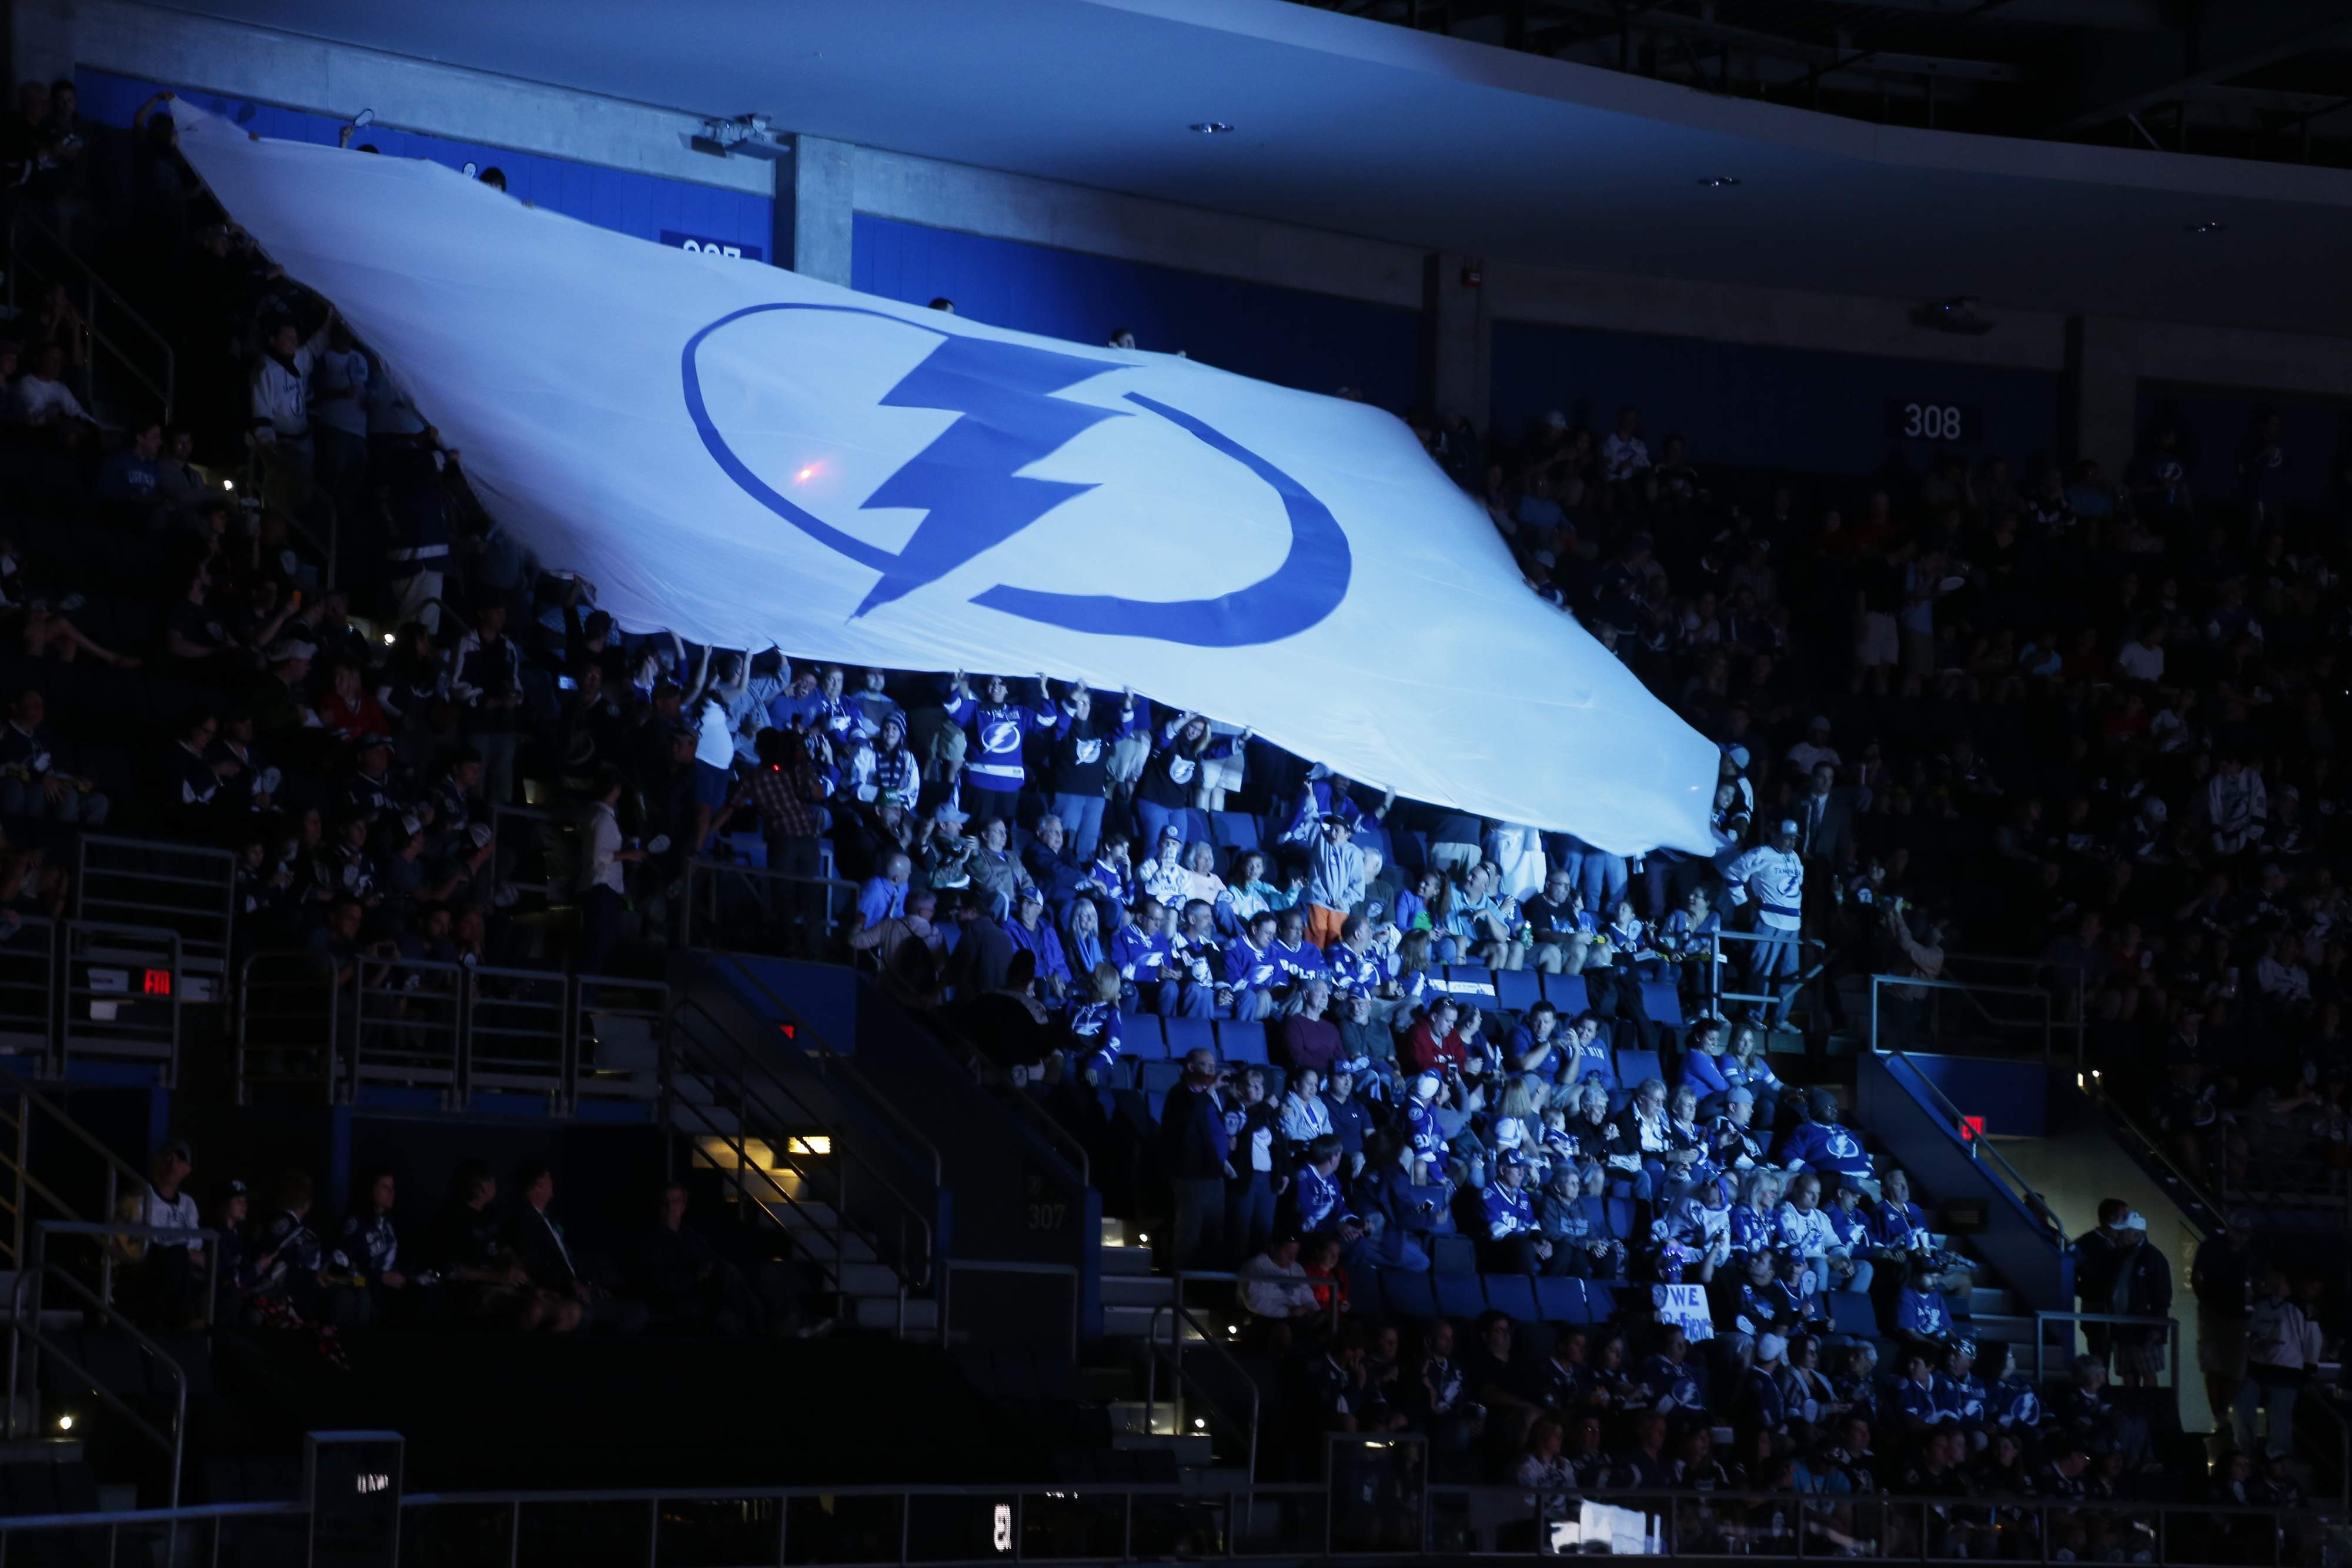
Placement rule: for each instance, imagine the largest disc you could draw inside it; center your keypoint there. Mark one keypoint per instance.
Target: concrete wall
(2102, 358)
(2079, 1165)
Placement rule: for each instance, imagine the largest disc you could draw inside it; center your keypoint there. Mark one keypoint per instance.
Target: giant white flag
(747, 457)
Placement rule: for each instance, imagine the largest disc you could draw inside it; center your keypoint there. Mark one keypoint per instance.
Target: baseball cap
(1770, 1347)
(1787, 824)
(235, 1189)
(481, 834)
(1427, 1085)
(2135, 1221)
(178, 1148)
(1819, 721)
(1511, 1159)
(1556, 420)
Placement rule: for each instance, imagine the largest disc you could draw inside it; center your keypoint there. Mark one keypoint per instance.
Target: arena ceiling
(1777, 141)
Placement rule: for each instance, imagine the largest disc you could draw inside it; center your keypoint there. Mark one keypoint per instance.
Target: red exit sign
(1971, 1128)
(155, 982)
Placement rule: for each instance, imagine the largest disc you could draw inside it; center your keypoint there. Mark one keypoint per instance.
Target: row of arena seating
(1438, 1292)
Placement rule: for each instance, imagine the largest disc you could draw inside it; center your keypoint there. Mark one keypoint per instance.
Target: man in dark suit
(539, 1239)
(1195, 1151)
(1824, 817)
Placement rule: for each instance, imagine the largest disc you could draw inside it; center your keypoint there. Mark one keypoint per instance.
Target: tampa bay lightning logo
(969, 485)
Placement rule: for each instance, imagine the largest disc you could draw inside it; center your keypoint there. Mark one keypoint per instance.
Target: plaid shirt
(785, 798)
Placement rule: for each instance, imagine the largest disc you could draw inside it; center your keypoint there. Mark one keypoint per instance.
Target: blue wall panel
(1759, 407)
(646, 206)
(2315, 432)
(1316, 341)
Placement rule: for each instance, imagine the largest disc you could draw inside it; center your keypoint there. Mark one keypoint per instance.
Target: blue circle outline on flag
(1311, 583)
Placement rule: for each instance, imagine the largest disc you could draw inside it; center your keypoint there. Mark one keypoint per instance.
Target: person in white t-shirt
(2142, 658)
(164, 1282)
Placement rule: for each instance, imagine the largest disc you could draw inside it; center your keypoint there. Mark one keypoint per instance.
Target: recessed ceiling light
(2208, 227)
(1717, 182)
(1212, 126)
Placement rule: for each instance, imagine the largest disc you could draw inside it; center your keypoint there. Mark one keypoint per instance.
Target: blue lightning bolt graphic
(967, 485)
(967, 480)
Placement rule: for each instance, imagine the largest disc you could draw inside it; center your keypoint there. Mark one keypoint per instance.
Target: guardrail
(2171, 1327)
(151, 883)
(788, 915)
(1982, 1149)
(24, 1322)
(1719, 968)
(307, 1020)
(766, 1110)
(1404, 1521)
(15, 1165)
(153, 369)
(1914, 1017)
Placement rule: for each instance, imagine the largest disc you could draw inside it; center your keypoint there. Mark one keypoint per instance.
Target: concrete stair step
(880, 1313)
(2005, 1328)
(865, 1280)
(818, 1244)
(1990, 1301)
(1137, 1289)
(1132, 1321)
(1190, 1449)
(1133, 1417)
(1123, 1259)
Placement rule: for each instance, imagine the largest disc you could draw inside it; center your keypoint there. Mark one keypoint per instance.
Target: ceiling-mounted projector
(1958, 314)
(750, 134)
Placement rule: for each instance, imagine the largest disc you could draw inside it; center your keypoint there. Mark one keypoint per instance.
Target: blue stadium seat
(1599, 1301)
(1157, 1078)
(1621, 1217)
(1409, 1293)
(1233, 831)
(1453, 1255)
(1241, 1042)
(1635, 1064)
(1515, 1294)
(1411, 850)
(1140, 1037)
(1850, 1312)
(1459, 1295)
(1473, 985)
(1365, 1297)
(1373, 835)
(1664, 1002)
(1156, 1105)
(1185, 1035)
(1195, 823)
(1566, 992)
(1518, 989)
(1560, 1298)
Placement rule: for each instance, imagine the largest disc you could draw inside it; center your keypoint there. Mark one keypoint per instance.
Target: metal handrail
(2035, 1204)
(1975, 994)
(2171, 1327)
(1717, 964)
(2096, 1087)
(1523, 1504)
(1055, 1133)
(29, 1324)
(95, 285)
(117, 1167)
(832, 1059)
(1178, 1316)
(708, 872)
(839, 1145)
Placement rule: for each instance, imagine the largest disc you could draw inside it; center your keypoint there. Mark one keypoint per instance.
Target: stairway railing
(711, 1052)
(40, 255)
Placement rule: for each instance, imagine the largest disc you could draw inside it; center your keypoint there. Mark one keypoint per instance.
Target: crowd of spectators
(266, 1257)
(2092, 721)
